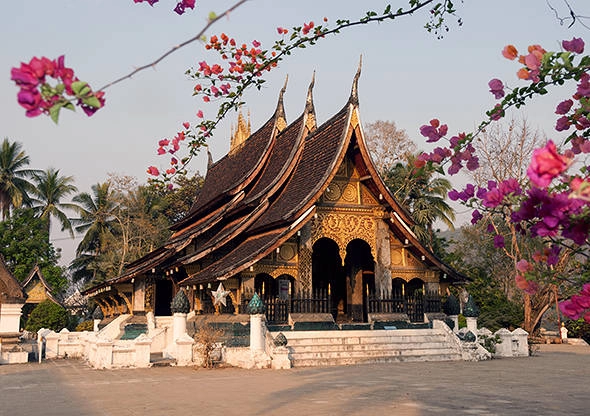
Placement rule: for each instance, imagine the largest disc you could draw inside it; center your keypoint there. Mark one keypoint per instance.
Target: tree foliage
(14, 174)
(47, 196)
(387, 144)
(423, 195)
(24, 243)
(47, 315)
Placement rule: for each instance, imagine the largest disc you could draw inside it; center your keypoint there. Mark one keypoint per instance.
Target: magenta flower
(498, 241)
(575, 45)
(564, 106)
(546, 164)
(570, 310)
(496, 88)
(584, 86)
(476, 216)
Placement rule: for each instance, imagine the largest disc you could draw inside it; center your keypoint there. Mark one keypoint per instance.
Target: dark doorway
(265, 286)
(163, 297)
(360, 269)
(327, 274)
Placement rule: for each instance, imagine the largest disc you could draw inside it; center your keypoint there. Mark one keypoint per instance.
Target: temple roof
(30, 282)
(267, 188)
(10, 289)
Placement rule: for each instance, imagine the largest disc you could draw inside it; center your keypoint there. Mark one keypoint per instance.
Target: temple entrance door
(163, 297)
(265, 286)
(360, 268)
(327, 275)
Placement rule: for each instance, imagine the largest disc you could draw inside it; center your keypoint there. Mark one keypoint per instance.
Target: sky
(408, 76)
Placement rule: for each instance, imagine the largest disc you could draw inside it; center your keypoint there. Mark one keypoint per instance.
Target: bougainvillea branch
(212, 19)
(242, 67)
(553, 209)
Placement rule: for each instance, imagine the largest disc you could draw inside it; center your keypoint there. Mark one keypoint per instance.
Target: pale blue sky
(408, 75)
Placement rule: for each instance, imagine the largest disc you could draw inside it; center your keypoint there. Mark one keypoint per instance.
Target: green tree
(98, 224)
(46, 196)
(48, 315)
(180, 199)
(14, 184)
(423, 195)
(24, 242)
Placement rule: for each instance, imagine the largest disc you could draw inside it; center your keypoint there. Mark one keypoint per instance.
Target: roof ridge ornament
(209, 159)
(309, 114)
(280, 117)
(354, 97)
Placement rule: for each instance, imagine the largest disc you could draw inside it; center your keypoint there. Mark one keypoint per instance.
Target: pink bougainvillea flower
(200, 114)
(307, 27)
(186, 124)
(282, 30)
(498, 241)
(152, 170)
(575, 45)
(496, 88)
(510, 52)
(523, 73)
(569, 309)
(546, 164)
(564, 107)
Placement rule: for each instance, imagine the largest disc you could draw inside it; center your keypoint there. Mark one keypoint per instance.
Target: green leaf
(54, 112)
(77, 86)
(212, 15)
(91, 101)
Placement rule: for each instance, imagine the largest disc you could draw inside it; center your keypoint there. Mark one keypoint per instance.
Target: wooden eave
(226, 235)
(252, 250)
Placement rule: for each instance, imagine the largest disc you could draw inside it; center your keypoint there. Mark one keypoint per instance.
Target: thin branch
(198, 36)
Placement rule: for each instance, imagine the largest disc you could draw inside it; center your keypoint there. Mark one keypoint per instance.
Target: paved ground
(553, 382)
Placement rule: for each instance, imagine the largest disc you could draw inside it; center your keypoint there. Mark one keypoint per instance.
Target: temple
(298, 214)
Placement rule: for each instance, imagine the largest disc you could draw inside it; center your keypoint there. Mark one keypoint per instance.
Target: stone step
(419, 351)
(322, 362)
(367, 347)
(319, 341)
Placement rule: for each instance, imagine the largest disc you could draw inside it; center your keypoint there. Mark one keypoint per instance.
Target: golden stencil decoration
(354, 119)
(276, 271)
(396, 257)
(310, 122)
(149, 297)
(281, 124)
(345, 227)
(350, 193)
(287, 252)
(332, 192)
(37, 293)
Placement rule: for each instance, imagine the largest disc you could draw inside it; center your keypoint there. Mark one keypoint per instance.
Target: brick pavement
(555, 381)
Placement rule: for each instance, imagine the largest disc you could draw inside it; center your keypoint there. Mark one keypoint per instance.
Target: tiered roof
(260, 194)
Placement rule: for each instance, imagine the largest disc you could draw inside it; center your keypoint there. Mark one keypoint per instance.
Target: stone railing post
(257, 324)
(142, 351)
(52, 345)
(104, 354)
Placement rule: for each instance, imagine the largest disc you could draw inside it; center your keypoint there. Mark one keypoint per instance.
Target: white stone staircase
(325, 348)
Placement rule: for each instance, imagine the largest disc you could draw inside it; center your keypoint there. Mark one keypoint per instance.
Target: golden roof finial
(241, 133)
(354, 95)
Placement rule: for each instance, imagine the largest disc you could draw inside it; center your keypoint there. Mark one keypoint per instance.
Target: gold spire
(354, 97)
(310, 121)
(241, 132)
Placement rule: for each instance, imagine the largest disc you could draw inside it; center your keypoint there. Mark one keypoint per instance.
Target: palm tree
(97, 218)
(14, 186)
(423, 195)
(49, 190)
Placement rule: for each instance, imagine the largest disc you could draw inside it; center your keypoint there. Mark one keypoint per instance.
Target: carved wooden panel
(344, 227)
